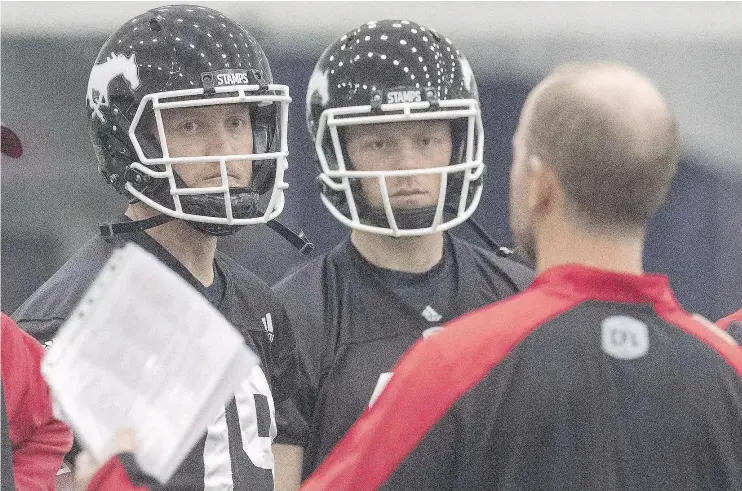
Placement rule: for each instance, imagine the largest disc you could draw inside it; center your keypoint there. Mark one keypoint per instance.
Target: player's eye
(376, 144)
(190, 126)
(429, 141)
(236, 123)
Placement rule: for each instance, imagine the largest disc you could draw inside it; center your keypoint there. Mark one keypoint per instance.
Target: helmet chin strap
(501, 251)
(298, 240)
(115, 228)
(243, 199)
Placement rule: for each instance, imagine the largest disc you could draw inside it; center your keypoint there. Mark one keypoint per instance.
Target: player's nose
(408, 156)
(220, 142)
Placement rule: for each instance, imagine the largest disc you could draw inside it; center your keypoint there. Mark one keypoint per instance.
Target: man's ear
(544, 187)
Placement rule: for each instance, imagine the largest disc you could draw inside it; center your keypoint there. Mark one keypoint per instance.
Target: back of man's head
(611, 139)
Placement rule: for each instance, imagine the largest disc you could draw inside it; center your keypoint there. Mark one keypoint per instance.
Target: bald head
(610, 137)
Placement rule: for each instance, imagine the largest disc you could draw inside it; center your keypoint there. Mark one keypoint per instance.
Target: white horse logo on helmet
(318, 83)
(101, 76)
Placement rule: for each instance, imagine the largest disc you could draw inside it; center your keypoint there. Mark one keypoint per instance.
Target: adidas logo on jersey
(430, 314)
(268, 326)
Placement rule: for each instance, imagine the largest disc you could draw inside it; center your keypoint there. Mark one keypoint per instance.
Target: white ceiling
(462, 20)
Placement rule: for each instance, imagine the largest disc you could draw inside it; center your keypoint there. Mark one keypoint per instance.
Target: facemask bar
(340, 179)
(280, 96)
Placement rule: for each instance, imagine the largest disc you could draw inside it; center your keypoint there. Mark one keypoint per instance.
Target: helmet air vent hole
(154, 25)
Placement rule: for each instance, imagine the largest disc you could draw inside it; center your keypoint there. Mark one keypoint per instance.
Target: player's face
(210, 131)
(520, 218)
(401, 146)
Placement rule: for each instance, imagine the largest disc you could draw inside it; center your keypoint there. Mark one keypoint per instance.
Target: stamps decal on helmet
(232, 77)
(403, 96)
(226, 78)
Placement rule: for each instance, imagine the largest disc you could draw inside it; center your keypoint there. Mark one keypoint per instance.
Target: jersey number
(253, 412)
(257, 418)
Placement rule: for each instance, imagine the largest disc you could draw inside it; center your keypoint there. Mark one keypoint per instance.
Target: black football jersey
(354, 320)
(235, 453)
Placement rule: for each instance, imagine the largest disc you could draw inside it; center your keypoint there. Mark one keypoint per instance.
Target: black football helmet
(395, 71)
(186, 56)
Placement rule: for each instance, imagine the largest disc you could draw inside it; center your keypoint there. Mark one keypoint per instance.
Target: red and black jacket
(37, 439)
(589, 379)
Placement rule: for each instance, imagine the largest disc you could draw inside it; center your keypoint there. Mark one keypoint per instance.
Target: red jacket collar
(612, 286)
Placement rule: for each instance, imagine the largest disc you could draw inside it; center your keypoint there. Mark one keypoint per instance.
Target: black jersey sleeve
(302, 296)
(44, 312)
(288, 376)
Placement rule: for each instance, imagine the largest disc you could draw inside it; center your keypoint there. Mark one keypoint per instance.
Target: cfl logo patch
(268, 326)
(624, 337)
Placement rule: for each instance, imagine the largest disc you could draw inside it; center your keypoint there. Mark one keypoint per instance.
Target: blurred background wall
(53, 198)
